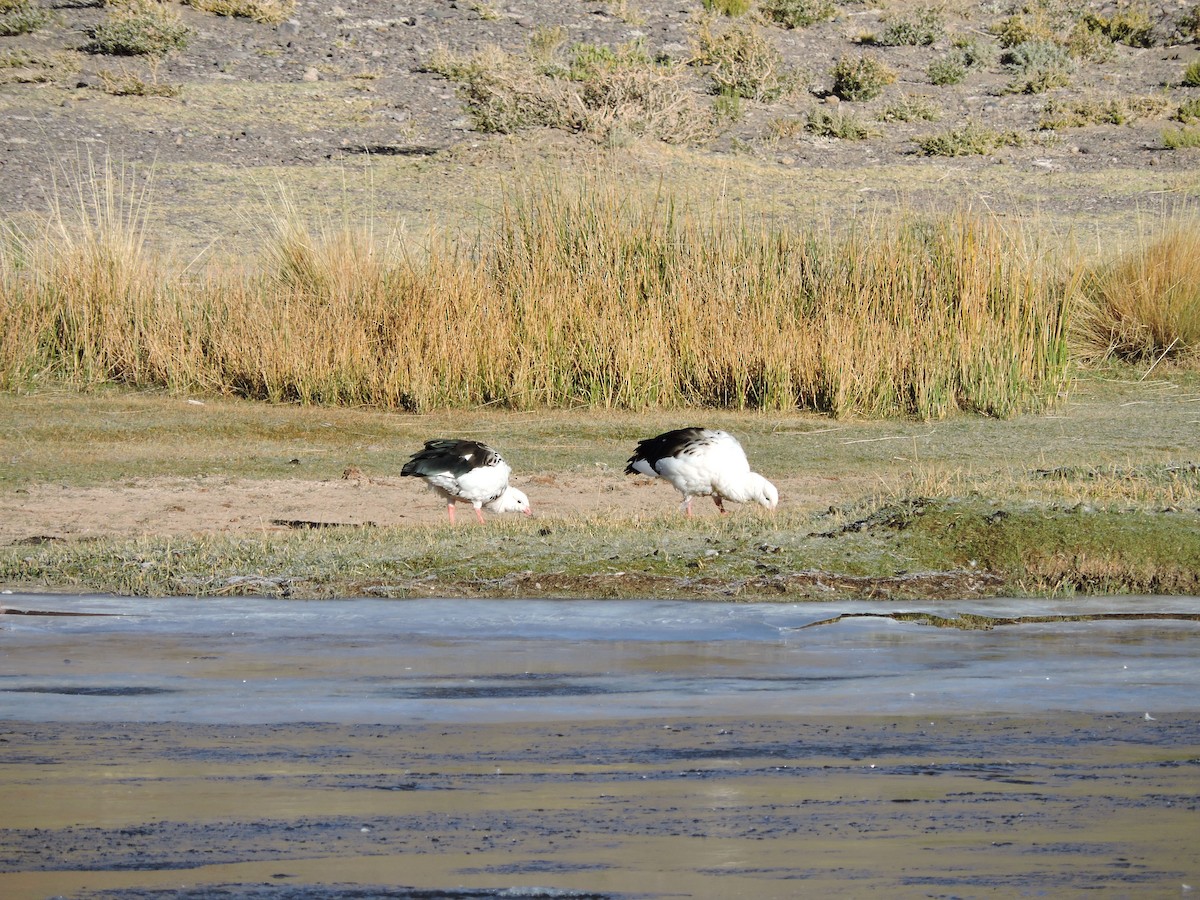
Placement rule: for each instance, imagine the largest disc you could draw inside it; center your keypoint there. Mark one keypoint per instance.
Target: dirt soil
(181, 506)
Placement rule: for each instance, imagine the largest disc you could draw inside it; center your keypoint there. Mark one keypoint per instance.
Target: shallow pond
(265, 748)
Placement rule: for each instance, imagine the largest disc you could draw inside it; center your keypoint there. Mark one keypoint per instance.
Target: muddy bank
(448, 749)
(831, 806)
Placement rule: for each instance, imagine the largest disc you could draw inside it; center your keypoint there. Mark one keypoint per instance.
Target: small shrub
(265, 12)
(1181, 138)
(1085, 44)
(972, 139)
(1059, 114)
(730, 8)
(844, 125)
(1039, 67)
(1191, 75)
(610, 94)
(19, 17)
(973, 53)
(1188, 112)
(946, 70)
(743, 63)
(798, 13)
(142, 28)
(911, 108)
(919, 30)
(627, 12)
(1129, 25)
(860, 79)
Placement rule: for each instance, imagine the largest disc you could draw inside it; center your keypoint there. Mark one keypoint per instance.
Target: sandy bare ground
(217, 504)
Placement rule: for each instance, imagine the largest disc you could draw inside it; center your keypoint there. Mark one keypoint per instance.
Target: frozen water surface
(258, 661)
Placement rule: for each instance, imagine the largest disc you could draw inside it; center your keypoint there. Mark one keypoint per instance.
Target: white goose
(699, 462)
(467, 470)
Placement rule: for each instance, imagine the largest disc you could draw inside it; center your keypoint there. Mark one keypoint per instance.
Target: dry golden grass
(580, 294)
(1145, 305)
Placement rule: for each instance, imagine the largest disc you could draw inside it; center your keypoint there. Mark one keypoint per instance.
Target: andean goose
(700, 461)
(467, 470)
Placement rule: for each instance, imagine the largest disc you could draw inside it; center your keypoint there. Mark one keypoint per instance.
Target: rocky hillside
(777, 92)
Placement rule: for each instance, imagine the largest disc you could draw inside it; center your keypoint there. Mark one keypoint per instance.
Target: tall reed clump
(631, 302)
(334, 316)
(586, 295)
(84, 301)
(1145, 305)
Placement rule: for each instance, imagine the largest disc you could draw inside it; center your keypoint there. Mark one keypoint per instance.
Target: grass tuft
(19, 17)
(585, 88)
(139, 28)
(1145, 305)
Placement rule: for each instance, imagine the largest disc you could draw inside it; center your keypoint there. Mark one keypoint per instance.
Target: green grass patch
(1191, 74)
(845, 126)
(906, 548)
(1187, 138)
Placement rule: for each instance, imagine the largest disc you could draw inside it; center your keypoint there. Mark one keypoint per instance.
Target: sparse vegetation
(1189, 23)
(127, 83)
(859, 79)
(139, 28)
(1188, 111)
(838, 124)
(1129, 24)
(972, 139)
(586, 88)
(1059, 113)
(946, 70)
(798, 13)
(729, 8)
(911, 108)
(966, 54)
(266, 12)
